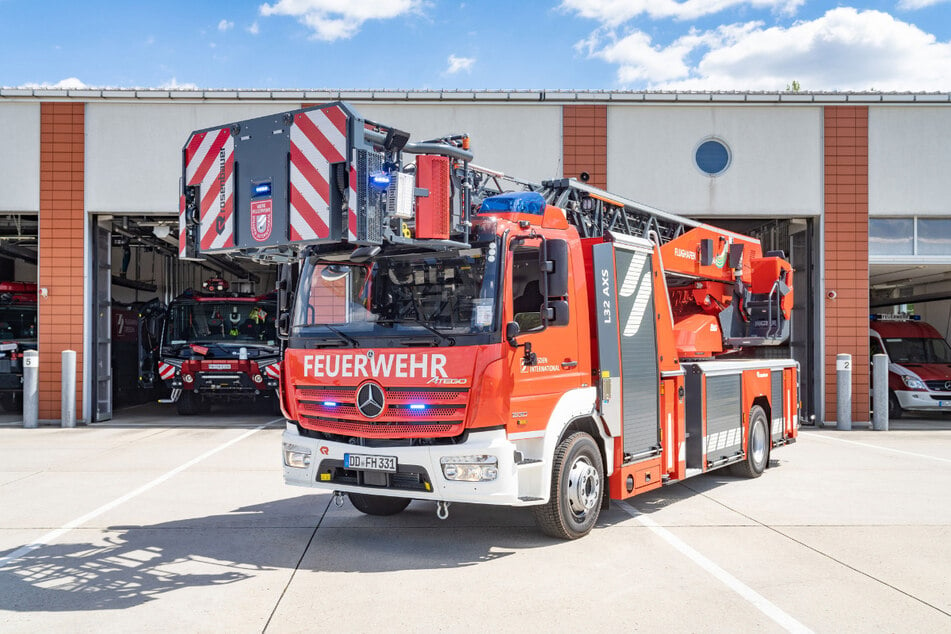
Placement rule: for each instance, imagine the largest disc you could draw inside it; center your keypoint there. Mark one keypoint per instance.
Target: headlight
(296, 456)
(470, 468)
(912, 383)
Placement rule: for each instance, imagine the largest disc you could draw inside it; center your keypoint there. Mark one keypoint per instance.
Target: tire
(577, 481)
(895, 410)
(757, 446)
(381, 505)
(188, 403)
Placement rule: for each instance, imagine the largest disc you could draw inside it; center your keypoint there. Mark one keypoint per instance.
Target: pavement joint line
(776, 530)
(303, 554)
(53, 535)
(764, 605)
(871, 446)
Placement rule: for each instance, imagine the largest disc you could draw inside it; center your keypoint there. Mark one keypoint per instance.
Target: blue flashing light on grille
(260, 190)
(515, 202)
(330, 404)
(417, 406)
(379, 180)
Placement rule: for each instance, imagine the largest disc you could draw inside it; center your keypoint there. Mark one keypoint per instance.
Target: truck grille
(942, 385)
(408, 412)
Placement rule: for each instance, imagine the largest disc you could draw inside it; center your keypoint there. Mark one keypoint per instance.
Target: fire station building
(852, 186)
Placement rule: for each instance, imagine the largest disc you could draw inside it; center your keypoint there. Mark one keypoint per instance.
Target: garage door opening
(137, 276)
(18, 309)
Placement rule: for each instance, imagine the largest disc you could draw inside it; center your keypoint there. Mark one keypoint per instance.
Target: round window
(713, 157)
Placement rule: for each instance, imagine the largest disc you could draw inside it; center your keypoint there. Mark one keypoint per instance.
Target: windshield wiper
(345, 337)
(449, 341)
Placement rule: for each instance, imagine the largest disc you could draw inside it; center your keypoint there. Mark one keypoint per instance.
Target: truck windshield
(444, 293)
(197, 321)
(918, 350)
(17, 323)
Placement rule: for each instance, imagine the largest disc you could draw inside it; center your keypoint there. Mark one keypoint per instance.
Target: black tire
(377, 504)
(757, 446)
(577, 481)
(895, 410)
(188, 403)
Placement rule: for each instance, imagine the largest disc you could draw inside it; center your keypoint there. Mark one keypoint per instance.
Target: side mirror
(555, 267)
(512, 331)
(557, 313)
(285, 298)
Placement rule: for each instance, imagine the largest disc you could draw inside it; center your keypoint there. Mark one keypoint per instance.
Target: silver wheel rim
(758, 443)
(584, 487)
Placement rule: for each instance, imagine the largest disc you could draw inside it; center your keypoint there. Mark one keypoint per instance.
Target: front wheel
(577, 482)
(894, 408)
(757, 446)
(377, 504)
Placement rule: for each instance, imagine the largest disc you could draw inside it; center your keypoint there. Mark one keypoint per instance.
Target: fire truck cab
(919, 363)
(219, 346)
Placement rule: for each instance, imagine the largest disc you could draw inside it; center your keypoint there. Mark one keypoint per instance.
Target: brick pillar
(846, 252)
(62, 217)
(585, 143)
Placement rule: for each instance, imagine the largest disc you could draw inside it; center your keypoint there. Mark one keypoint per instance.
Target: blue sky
(894, 45)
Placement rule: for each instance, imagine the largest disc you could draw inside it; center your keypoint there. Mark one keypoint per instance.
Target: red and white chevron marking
(182, 253)
(209, 162)
(272, 371)
(166, 370)
(318, 138)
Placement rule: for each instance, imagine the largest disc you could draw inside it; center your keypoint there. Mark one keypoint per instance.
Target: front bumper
(924, 401)
(420, 474)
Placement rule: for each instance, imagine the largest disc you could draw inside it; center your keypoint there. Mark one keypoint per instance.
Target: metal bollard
(31, 389)
(843, 392)
(68, 401)
(880, 392)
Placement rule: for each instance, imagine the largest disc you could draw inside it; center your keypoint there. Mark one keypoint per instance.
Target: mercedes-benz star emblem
(370, 400)
(947, 385)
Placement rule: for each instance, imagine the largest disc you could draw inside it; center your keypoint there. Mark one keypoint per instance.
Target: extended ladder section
(594, 212)
(697, 257)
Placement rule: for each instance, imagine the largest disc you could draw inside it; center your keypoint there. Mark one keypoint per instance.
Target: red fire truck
(17, 334)
(219, 346)
(553, 347)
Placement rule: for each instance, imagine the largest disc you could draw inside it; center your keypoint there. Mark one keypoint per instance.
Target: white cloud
(914, 5)
(173, 84)
(339, 19)
(615, 12)
(70, 83)
(457, 64)
(225, 25)
(254, 29)
(843, 50)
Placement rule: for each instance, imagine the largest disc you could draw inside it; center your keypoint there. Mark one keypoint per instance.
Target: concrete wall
(20, 157)
(909, 151)
(133, 151)
(776, 166)
(524, 141)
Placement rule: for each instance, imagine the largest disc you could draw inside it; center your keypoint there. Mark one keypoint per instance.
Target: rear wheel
(377, 504)
(11, 402)
(577, 482)
(757, 446)
(894, 409)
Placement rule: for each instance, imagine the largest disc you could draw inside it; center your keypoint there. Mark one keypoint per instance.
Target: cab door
(545, 361)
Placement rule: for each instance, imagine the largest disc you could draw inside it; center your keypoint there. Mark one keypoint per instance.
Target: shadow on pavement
(125, 566)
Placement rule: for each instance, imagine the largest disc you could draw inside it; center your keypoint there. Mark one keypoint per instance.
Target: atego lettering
(352, 366)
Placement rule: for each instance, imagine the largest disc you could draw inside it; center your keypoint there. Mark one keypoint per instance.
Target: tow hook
(442, 510)
(338, 498)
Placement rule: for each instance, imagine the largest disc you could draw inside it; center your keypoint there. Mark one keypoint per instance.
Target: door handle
(567, 365)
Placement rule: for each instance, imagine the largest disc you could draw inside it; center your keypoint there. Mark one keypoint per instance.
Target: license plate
(219, 366)
(369, 463)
